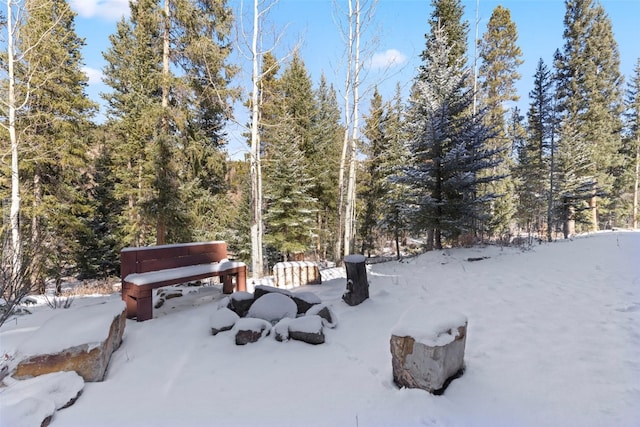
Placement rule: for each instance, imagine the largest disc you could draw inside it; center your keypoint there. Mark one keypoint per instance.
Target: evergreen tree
(631, 149)
(53, 129)
(133, 72)
(373, 191)
(171, 122)
(590, 103)
(447, 148)
(290, 209)
(498, 74)
(447, 15)
(100, 256)
(533, 157)
(324, 164)
(393, 220)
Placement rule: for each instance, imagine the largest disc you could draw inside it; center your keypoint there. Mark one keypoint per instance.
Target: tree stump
(357, 284)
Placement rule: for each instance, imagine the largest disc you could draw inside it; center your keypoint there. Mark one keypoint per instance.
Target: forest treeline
(452, 164)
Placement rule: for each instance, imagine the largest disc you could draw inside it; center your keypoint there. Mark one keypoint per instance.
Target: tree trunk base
(357, 284)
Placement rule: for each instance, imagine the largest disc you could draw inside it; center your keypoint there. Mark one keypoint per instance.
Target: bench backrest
(153, 258)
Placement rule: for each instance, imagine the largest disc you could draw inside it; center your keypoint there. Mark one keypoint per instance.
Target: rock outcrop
(88, 337)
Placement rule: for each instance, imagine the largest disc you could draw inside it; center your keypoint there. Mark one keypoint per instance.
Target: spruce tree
(54, 129)
(372, 190)
(393, 220)
(498, 75)
(447, 147)
(171, 95)
(590, 103)
(533, 167)
(447, 15)
(324, 163)
(630, 175)
(133, 73)
(290, 208)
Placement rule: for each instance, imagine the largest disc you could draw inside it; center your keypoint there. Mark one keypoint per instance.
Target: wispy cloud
(388, 59)
(95, 76)
(107, 9)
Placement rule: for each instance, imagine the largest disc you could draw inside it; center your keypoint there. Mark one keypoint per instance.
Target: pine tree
(447, 148)
(447, 15)
(53, 128)
(324, 164)
(534, 156)
(290, 208)
(590, 103)
(630, 175)
(498, 74)
(168, 70)
(393, 220)
(372, 180)
(133, 72)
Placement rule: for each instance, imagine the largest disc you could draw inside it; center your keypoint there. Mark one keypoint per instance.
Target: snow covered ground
(553, 340)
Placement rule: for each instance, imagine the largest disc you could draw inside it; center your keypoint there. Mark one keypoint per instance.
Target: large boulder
(86, 338)
(261, 290)
(273, 307)
(427, 348)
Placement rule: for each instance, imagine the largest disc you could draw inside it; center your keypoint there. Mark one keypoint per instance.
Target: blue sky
(399, 27)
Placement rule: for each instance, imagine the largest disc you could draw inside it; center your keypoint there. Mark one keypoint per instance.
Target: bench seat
(172, 274)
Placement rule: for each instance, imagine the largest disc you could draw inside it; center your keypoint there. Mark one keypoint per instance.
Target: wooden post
(357, 284)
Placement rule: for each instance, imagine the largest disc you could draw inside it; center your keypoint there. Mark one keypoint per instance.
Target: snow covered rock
(307, 329)
(273, 307)
(305, 300)
(250, 330)
(165, 294)
(86, 338)
(261, 290)
(240, 302)
(32, 402)
(329, 318)
(28, 412)
(281, 330)
(427, 348)
(222, 320)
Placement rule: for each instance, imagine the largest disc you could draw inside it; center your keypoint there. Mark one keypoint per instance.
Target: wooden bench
(144, 269)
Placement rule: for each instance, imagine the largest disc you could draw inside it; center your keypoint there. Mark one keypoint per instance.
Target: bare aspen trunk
(342, 194)
(14, 215)
(161, 220)
(255, 167)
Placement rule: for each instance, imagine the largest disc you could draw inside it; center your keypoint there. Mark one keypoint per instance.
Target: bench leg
(241, 280)
(139, 305)
(227, 284)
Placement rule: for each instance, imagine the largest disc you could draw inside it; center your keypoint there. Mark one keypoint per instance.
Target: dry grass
(93, 287)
